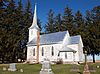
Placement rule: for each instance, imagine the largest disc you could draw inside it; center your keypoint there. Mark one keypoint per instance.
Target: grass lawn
(35, 69)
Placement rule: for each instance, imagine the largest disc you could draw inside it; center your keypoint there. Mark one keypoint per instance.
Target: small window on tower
(34, 52)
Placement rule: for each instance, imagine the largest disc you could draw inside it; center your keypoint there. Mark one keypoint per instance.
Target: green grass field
(35, 69)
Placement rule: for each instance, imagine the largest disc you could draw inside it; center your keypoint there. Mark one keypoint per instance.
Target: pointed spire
(34, 24)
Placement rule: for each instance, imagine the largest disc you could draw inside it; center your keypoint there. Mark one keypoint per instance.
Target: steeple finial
(34, 24)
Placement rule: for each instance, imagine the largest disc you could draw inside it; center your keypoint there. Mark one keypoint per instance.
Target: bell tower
(34, 34)
(34, 27)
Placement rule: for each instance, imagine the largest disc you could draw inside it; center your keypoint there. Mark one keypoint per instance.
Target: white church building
(53, 46)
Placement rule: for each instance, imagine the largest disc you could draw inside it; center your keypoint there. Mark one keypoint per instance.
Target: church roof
(57, 37)
(74, 39)
(51, 38)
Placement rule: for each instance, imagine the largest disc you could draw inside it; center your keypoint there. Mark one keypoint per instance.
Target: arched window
(34, 52)
(52, 51)
(42, 51)
(65, 55)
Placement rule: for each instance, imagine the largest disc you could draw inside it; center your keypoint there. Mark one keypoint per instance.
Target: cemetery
(47, 68)
(56, 69)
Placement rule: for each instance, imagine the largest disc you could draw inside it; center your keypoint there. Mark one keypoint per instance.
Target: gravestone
(4, 68)
(75, 68)
(92, 69)
(46, 67)
(98, 66)
(86, 68)
(12, 67)
(21, 70)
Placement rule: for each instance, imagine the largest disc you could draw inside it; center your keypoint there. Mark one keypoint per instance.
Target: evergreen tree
(80, 27)
(27, 21)
(58, 23)
(8, 41)
(79, 23)
(68, 20)
(50, 27)
(20, 19)
(88, 23)
(2, 31)
(94, 30)
(91, 39)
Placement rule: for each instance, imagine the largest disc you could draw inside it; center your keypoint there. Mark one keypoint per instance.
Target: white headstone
(12, 67)
(98, 66)
(21, 70)
(46, 67)
(4, 68)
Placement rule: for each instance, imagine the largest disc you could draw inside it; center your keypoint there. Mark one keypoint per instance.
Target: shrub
(59, 61)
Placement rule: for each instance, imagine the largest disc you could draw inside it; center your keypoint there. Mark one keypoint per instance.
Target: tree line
(15, 19)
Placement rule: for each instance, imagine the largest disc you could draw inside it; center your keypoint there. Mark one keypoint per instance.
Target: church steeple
(34, 27)
(34, 23)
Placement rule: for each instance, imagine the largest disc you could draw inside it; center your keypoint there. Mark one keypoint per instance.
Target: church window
(42, 51)
(52, 52)
(34, 52)
(58, 54)
(65, 55)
